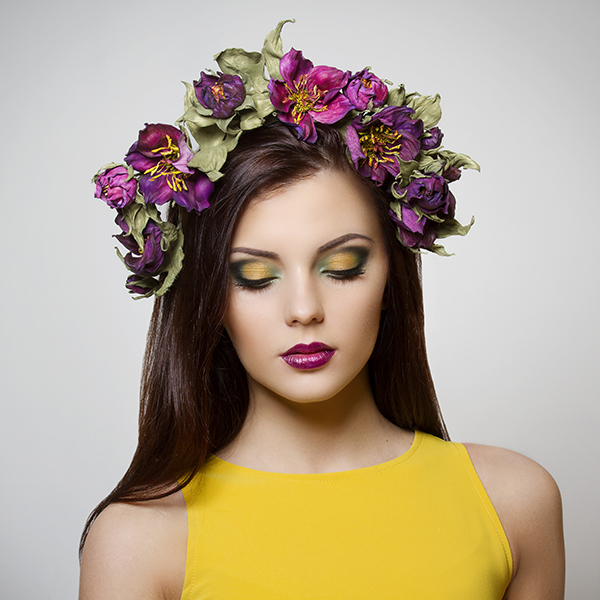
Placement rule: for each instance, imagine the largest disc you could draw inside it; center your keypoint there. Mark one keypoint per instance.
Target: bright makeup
(345, 262)
(308, 356)
(253, 273)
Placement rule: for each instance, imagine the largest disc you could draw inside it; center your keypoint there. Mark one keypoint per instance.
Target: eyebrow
(342, 240)
(326, 246)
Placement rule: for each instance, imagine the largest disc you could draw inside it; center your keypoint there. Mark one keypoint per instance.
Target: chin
(312, 387)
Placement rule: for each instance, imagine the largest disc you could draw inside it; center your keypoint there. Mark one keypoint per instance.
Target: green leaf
(396, 97)
(262, 102)
(453, 227)
(427, 109)
(250, 120)
(208, 137)
(248, 103)
(169, 235)
(431, 164)
(273, 49)
(224, 124)
(212, 154)
(397, 208)
(209, 158)
(121, 257)
(131, 215)
(249, 66)
(175, 259)
(396, 194)
(201, 117)
(439, 250)
(231, 141)
(189, 98)
(403, 178)
(461, 161)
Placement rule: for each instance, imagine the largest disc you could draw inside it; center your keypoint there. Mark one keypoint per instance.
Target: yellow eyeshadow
(341, 261)
(254, 270)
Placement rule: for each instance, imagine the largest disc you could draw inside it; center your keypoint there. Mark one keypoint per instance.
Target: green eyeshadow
(253, 270)
(344, 260)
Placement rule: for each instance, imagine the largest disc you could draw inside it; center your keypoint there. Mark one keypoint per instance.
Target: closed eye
(346, 263)
(252, 273)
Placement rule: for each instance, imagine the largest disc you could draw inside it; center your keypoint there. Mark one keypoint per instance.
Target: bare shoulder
(513, 475)
(529, 506)
(136, 550)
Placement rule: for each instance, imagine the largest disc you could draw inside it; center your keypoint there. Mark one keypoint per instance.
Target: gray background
(512, 319)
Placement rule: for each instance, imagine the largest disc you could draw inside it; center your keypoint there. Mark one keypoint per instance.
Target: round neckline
(216, 463)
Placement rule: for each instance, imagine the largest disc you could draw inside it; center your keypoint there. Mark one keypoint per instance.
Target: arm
(136, 551)
(528, 503)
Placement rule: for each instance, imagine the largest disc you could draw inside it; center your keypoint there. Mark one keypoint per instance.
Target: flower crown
(392, 138)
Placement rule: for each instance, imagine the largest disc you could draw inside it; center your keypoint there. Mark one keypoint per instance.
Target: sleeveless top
(418, 527)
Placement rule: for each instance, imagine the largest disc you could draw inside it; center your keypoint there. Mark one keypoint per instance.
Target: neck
(341, 433)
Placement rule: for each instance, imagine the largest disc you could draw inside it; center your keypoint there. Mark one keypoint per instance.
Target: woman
(291, 444)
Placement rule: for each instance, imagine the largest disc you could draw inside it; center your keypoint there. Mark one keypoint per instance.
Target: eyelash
(346, 274)
(261, 284)
(341, 276)
(253, 284)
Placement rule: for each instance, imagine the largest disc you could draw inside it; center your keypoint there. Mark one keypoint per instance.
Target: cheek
(247, 323)
(359, 314)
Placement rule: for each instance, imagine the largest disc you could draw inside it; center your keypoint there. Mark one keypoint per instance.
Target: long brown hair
(194, 391)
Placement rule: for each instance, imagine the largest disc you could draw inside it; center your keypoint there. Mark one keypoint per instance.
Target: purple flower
(434, 139)
(451, 174)
(161, 154)
(115, 187)
(192, 192)
(364, 87)
(308, 93)
(196, 191)
(220, 93)
(138, 284)
(432, 195)
(414, 232)
(120, 221)
(144, 261)
(160, 148)
(376, 147)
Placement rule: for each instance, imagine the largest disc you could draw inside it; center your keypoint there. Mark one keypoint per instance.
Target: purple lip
(308, 356)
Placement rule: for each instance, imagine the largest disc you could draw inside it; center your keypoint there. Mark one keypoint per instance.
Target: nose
(304, 304)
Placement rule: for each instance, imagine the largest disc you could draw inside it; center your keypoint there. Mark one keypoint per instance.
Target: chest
(388, 537)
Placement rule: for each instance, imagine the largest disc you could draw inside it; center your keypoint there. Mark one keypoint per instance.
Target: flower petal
(197, 194)
(155, 190)
(326, 78)
(335, 110)
(293, 64)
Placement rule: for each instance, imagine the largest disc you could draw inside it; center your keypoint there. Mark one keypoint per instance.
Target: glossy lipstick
(308, 356)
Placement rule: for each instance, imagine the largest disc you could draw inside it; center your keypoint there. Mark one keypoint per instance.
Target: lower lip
(313, 360)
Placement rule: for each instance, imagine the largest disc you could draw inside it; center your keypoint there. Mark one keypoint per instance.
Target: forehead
(309, 212)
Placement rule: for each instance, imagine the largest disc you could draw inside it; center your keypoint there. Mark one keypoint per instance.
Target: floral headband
(392, 138)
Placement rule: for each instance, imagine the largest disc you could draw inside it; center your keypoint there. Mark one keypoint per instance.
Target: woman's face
(308, 274)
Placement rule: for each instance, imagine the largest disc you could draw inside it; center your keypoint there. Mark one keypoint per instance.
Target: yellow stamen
(163, 168)
(304, 98)
(218, 92)
(170, 151)
(380, 144)
(175, 178)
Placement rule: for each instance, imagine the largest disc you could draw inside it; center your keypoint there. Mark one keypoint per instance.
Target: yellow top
(419, 527)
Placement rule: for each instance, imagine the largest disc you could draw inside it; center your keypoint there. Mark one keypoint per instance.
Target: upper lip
(307, 348)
